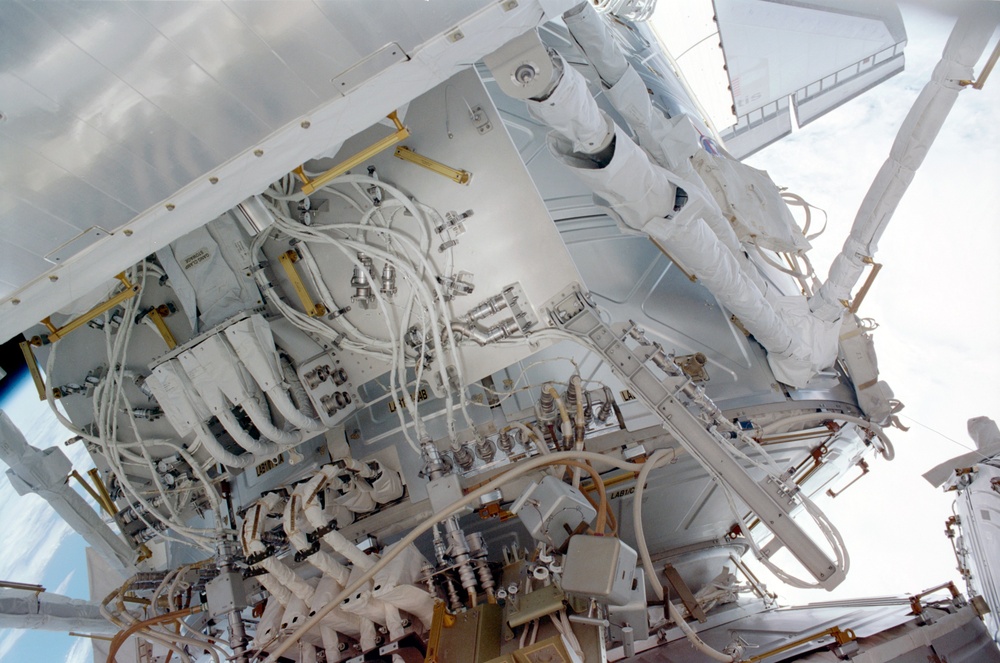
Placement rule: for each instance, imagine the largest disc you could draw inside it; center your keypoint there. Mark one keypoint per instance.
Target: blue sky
(38, 547)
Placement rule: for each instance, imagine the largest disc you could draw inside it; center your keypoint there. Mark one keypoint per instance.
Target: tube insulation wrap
(279, 396)
(965, 45)
(177, 397)
(572, 113)
(591, 35)
(278, 592)
(262, 420)
(261, 448)
(290, 579)
(253, 342)
(339, 543)
(338, 620)
(298, 392)
(219, 453)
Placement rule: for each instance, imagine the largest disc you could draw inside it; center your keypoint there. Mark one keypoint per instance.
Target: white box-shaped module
(600, 567)
(553, 510)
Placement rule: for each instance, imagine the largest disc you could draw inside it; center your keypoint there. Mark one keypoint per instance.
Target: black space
(12, 361)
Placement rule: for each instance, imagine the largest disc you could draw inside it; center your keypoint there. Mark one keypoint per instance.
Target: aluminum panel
(408, 23)
(17, 263)
(241, 63)
(146, 62)
(305, 39)
(194, 105)
(37, 231)
(97, 160)
(102, 76)
(56, 191)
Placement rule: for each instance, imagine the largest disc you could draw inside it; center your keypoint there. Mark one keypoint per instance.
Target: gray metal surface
(109, 109)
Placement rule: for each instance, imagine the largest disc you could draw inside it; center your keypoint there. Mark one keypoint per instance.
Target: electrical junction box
(632, 614)
(226, 593)
(600, 567)
(444, 491)
(552, 510)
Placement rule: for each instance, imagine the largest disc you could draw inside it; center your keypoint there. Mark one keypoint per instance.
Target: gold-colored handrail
(10, 584)
(56, 333)
(105, 498)
(93, 493)
(311, 185)
(455, 175)
(863, 292)
(32, 363)
(842, 637)
(288, 260)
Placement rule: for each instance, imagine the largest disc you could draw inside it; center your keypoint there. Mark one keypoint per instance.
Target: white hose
(261, 448)
(888, 451)
(279, 396)
(521, 468)
(216, 450)
(262, 420)
(658, 459)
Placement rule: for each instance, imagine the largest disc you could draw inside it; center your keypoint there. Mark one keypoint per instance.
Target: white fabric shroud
(208, 272)
(642, 197)
(966, 43)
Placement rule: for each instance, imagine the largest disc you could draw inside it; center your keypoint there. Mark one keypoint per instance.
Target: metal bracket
(130, 291)
(864, 470)
(694, 366)
(684, 592)
(481, 120)
(311, 185)
(671, 398)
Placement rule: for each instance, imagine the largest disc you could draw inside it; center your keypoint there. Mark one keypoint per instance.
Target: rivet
(171, 207)
(213, 180)
(128, 232)
(305, 124)
(15, 302)
(258, 152)
(53, 278)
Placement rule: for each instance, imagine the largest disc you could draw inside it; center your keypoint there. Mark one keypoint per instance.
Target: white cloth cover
(253, 342)
(394, 585)
(572, 113)
(986, 435)
(176, 397)
(270, 621)
(216, 374)
(751, 201)
(966, 43)
(630, 98)
(340, 621)
(642, 197)
(590, 33)
(211, 261)
(50, 612)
